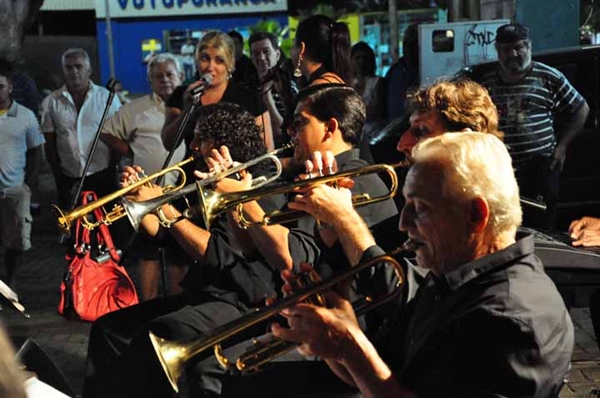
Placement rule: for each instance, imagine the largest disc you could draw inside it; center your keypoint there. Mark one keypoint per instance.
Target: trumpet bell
(174, 355)
(171, 357)
(135, 212)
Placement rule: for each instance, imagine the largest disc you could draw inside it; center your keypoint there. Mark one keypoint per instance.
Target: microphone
(112, 83)
(206, 80)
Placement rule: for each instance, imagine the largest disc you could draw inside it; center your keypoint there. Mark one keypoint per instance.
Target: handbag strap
(103, 235)
(106, 237)
(82, 234)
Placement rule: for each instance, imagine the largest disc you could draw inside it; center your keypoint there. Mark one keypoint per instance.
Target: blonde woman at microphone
(215, 60)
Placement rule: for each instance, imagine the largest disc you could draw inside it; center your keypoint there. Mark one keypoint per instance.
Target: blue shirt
(19, 131)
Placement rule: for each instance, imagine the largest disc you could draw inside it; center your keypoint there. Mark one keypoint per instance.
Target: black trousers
(538, 182)
(103, 183)
(121, 360)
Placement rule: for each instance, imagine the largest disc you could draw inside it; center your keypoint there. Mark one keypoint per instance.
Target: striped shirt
(527, 108)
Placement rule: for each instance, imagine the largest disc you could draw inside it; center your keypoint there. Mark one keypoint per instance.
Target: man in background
(245, 73)
(540, 115)
(20, 155)
(70, 118)
(25, 92)
(275, 84)
(133, 133)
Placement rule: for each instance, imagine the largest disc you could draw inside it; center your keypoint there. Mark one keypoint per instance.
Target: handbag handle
(103, 235)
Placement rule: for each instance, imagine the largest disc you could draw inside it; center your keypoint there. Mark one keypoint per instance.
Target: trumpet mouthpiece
(409, 245)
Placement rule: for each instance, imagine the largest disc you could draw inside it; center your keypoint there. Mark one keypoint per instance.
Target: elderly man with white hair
(70, 118)
(486, 322)
(134, 133)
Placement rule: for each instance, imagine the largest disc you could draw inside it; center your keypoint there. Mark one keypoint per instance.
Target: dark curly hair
(230, 125)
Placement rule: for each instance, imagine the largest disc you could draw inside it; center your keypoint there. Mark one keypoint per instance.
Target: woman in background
(321, 51)
(365, 82)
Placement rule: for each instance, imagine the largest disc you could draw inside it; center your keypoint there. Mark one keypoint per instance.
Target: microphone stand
(196, 94)
(75, 198)
(111, 88)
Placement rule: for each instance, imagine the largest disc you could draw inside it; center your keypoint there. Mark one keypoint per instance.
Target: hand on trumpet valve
(320, 164)
(243, 182)
(319, 331)
(219, 161)
(324, 203)
(133, 174)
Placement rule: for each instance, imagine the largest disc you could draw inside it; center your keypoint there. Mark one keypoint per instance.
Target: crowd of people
(478, 300)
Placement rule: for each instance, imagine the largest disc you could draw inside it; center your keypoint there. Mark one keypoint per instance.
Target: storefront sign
(167, 8)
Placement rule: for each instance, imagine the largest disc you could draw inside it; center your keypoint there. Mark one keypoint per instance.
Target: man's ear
(330, 127)
(479, 214)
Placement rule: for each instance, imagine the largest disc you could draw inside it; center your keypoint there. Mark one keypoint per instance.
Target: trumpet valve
(261, 352)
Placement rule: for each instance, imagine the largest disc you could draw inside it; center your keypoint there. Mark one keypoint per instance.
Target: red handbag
(94, 286)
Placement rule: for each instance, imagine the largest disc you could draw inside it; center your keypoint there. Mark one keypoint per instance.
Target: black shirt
(305, 244)
(233, 94)
(245, 73)
(303, 241)
(228, 274)
(495, 326)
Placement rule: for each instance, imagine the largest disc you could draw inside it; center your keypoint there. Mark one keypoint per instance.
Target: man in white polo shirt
(70, 117)
(20, 155)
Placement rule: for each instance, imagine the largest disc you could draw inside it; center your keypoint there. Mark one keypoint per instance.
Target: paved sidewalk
(66, 341)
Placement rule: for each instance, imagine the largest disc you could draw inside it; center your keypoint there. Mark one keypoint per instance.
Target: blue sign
(161, 8)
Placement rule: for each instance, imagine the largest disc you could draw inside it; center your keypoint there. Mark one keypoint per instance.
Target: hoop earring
(297, 71)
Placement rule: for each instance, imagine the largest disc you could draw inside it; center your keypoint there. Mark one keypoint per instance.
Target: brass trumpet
(65, 219)
(137, 210)
(211, 204)
(173, 355)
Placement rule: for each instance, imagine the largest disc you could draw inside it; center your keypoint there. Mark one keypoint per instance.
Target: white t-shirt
(140, 122)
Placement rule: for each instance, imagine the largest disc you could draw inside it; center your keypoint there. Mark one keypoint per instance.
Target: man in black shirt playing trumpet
(487, 312)
(119, 341)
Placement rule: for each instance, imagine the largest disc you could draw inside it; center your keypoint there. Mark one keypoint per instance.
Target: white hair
(162, 58)
(76, 52)
(478, 165)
